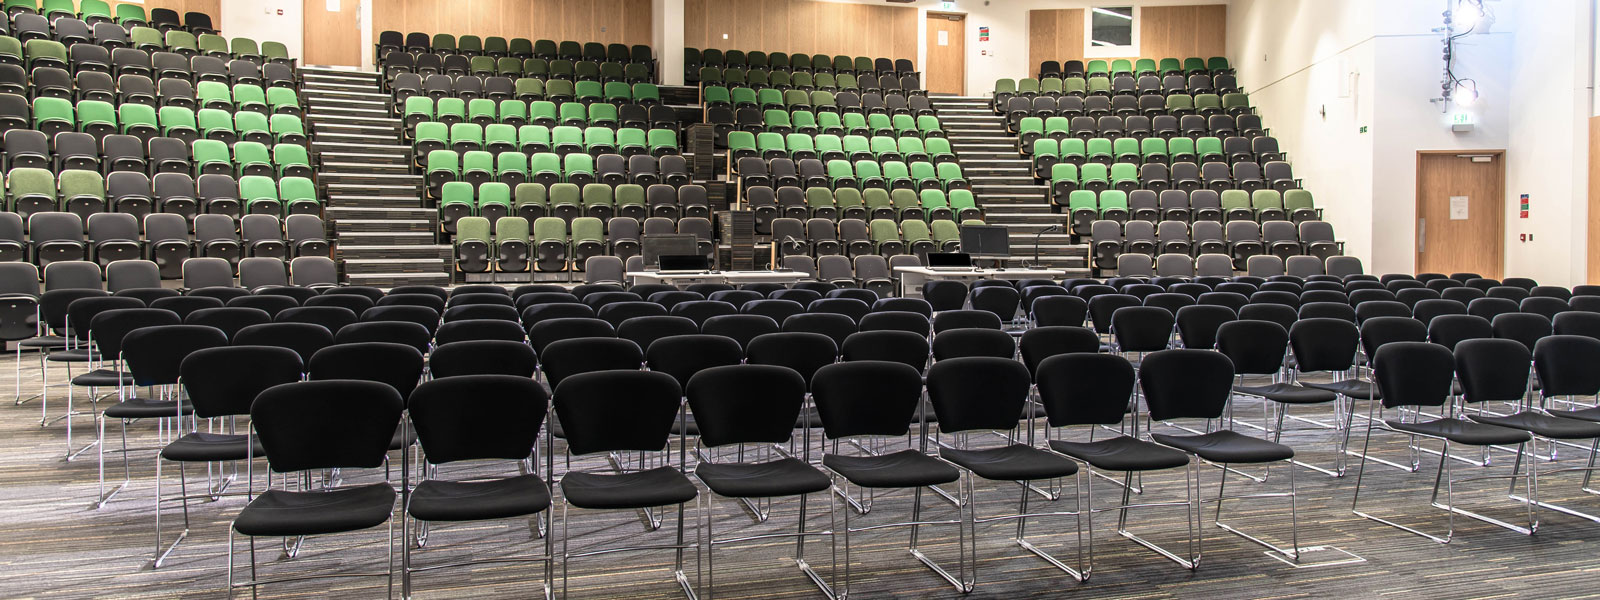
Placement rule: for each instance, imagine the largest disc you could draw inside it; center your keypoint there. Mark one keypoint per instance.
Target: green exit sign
(1461, 118)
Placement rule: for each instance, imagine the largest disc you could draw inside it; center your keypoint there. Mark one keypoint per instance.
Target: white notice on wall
(944, 38)
(1458, 208)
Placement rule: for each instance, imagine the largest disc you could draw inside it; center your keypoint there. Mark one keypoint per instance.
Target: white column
(667, 39)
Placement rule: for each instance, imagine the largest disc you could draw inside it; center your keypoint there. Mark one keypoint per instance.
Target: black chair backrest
(272, 304)
(892, 346)
(482, 357)
(897, 320)
(1493, 369)
(1050, 311)
(333, 318)
(684, 355)
(1254, 347)
(1324, 344)
(230, 319)
(1377, 331)
(804, 352)
(617, 411)
(1565, 364)
(544, 333)
(739, 328)
(978, 392)
(779, 309)
(719, 397)
(1578, 323)
(1449, 330)
(399, 332)
(916, 305)
(305, 339)
(326, 424)
(1413, 373)
(223, 381)
(421, 315)
(81, 312)
(479, 329)
(1142, 328)
(1198, 324)
(183, 305)
(480, 311)
(1040, 343)
(154, 355)
(1179, 384)
(959, 343)
(353, 301)
(1085, 388)
(448, 415)
(570, 357)
(109, 328)
(866, 398)
(429, 300)
(964, 319)
(397, 365)
(833, 325)
(555, 310)
(1524, 327)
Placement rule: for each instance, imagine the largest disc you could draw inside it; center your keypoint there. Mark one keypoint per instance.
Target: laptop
(949, 261)
(683, 264)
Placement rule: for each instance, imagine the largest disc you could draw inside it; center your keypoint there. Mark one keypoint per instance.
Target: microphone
(1037, 263)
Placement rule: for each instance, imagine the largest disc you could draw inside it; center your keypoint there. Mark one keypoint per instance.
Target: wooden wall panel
(802, 26)
(1175, 31)
(623, 21)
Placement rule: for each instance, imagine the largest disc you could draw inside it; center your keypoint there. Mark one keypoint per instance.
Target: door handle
(1422, 234)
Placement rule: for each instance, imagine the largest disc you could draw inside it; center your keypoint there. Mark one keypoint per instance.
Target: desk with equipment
(982, 242)
(679, 263)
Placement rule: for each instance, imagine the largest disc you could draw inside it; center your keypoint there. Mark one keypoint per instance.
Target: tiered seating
(109, 169)
(1156, 156)
(446, 54)
(760, 68)
(796, 111)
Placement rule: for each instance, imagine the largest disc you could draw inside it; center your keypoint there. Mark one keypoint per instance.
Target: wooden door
(333, 38)
(946, 71)
(1460, 213)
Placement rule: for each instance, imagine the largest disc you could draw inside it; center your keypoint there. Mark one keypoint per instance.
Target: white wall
(666, 37)
(260, 20)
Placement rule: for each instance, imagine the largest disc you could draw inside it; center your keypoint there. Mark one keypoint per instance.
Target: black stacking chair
(333, 318)
(1002, 300)
(751, 473)
(617, 312)
(549, 331)
(482, 357)
(398, 365)
(271, 304)
(897, 320)
(1526, 328)
(623, 412)
(945, 295)
(573, 357)
(1197, 325)
(682, 356)
(183, 305)
(740, 328)
(1097, 390)
(1141, 329)
(151, 344)
(555, 310)
(969, 342)
(305, 339)
(480, 311)
(1586, 324)
(429, 300)
(356, 303)
(868, 399)
(701, 310)
(398, 332)
(446, 415)
(479, 329)
(221, 383)
(1196, 384)
(987, 393)
(1049, 311)
(902, 347)
(230, 319)
(964, 319)
(1419, 374)
(1319, 345)
(1040, 343)
(778, 309)
(833, 325)
(310, 426)
(421, 315)
(804, 352)
(647, 329)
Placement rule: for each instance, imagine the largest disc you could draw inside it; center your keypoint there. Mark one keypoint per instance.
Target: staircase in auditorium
(1004, 186)
(383, 233)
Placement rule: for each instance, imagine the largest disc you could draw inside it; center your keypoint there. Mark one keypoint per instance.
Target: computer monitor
(986, 241)
(684, 262)
(949, 259)
(656, 245)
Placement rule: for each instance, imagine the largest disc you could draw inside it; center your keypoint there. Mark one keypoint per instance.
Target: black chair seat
(1122, 453)
(661, 486)
(1011, 463)
(145, 408)
(1462, 432)
(1352, 388)
(1227, 446)
(74, 355)
(1545, 426)
(1288, 393)
(277, 513)
(903, 469)
(782, 477)
(48, 342)
(103, 378)
(436, 500)
(1585, 414)
(210, 447)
